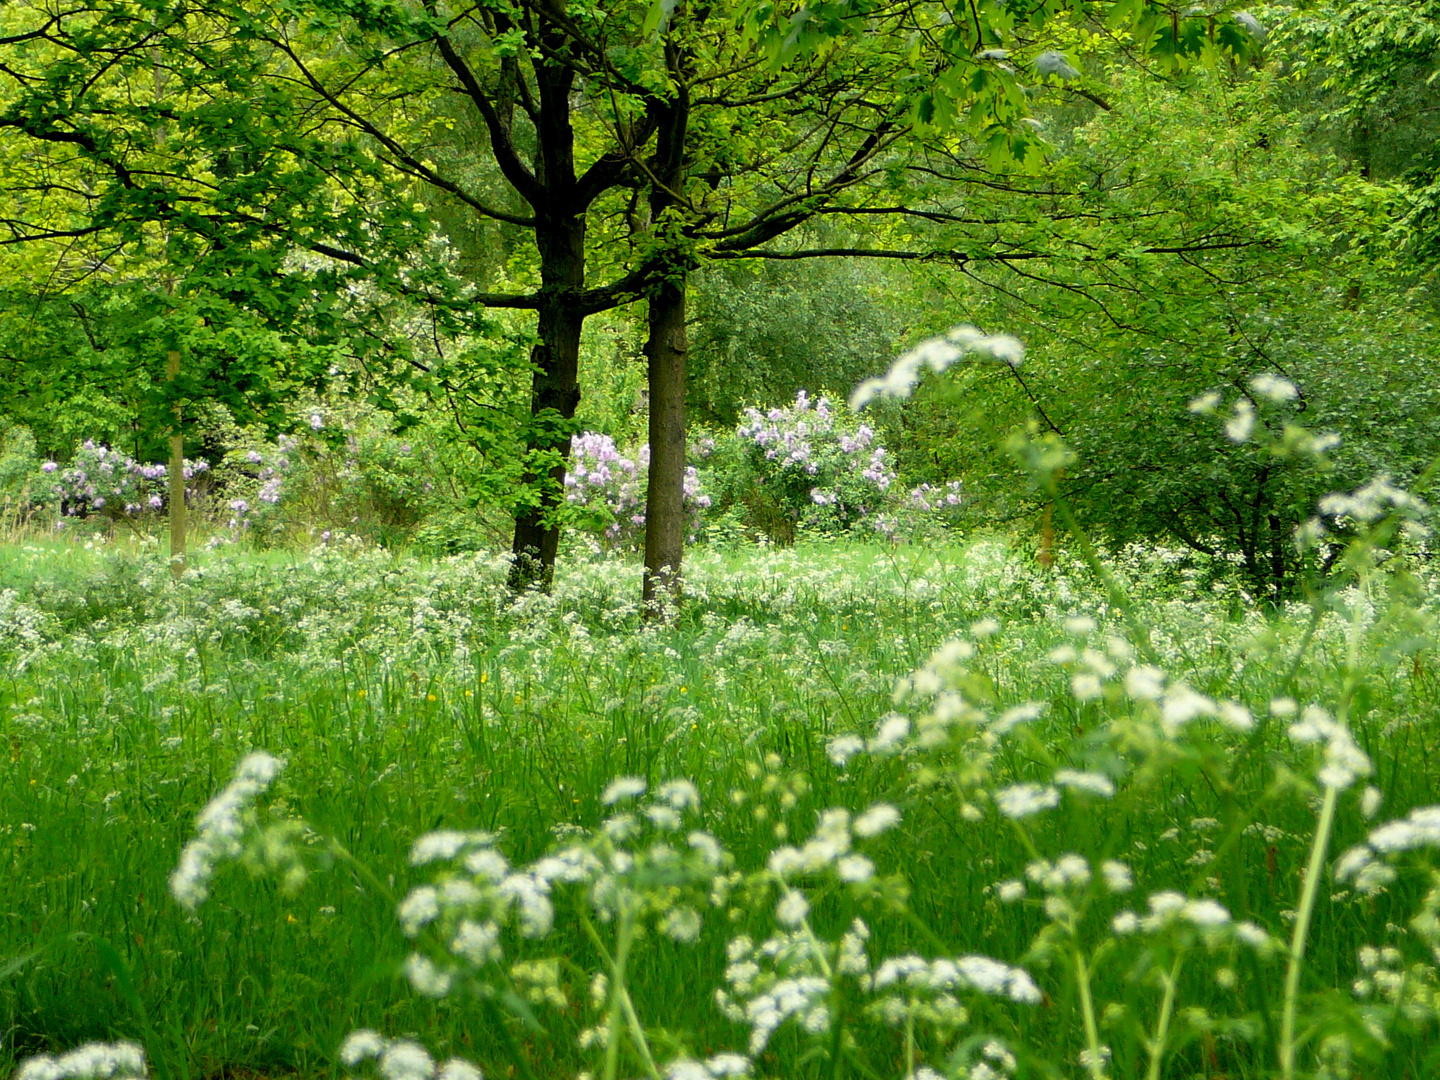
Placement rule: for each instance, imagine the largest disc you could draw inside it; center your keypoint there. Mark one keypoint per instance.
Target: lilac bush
(818, 462)
(266, 473)
(102, 481)
(608, 488)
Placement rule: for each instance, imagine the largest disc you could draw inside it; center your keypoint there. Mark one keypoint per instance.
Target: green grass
(409, 696)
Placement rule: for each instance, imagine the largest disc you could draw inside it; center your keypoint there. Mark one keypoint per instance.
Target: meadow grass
(408, 696)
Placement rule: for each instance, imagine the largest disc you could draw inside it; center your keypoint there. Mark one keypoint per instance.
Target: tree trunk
(177, 477)
(554, 395)
(665, 350)
(665, 496)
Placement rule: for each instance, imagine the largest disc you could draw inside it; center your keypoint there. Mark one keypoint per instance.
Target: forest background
(331, 229)
(433, 322)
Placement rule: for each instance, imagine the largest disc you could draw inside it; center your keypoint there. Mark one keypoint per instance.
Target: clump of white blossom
(221, 827)
(93, 1061)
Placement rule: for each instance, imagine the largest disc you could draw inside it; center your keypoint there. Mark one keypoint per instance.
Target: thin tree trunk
(177, 476)
(665, 497)
(665, 349)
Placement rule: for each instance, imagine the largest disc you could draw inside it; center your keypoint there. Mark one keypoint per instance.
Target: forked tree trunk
(665, 497)
(177, 476)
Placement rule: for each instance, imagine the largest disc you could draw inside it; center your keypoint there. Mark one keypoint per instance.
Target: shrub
(607, 489)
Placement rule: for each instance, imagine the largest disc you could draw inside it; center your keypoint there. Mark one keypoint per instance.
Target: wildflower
(93, 1061)
(1023, 800)
(843, 747)
(1010, 891)
(1118, 878)
(937, 353)
(458, 1069)
(626, 787)
(418, 910)
(427, 979)
(1090, 782)
(1015, 716)
(1206, 913)
(316, 421)
(680, 795)
(405, 1060)
(219, 828)
(878, 819)
(1274, 388)
(1207, 402)
(360, 1046)
(792, 908)
(1234, 715)
(1181, 704)
(477, 942)
(1240, 425)
(682, 924)
(889, 734)
(443, 845)
(1344, 761)
(1252, 935)
(1370, 801)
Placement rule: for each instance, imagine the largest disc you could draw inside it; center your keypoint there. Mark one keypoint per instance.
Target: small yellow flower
(684, 689)
(484, 677)
(360, 693)
(291, 919)
(431, 697)
(469, 693)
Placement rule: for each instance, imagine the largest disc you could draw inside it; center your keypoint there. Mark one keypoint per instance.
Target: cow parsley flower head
(1023, 800)
(220, 827)
(360, 1046)
(878, 819)
(1241, 423)
(844, 747)
(92, 1061)
(1092, 783)
(1344, 761)
(458, 1069)
(1145, 682)
(1118, 878)
(792, 908)
(1206, 403)
(626, 787)
(937, 354)
(446, 844)
(1274, 388)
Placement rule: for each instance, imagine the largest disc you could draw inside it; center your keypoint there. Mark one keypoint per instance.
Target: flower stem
(1096, 1062)
(1162, 1026)
(1302, 929)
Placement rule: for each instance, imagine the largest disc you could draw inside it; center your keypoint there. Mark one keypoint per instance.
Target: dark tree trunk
(665, 497)
(665, 349)
(555, 393)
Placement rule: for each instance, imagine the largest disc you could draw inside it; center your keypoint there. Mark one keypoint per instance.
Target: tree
(850, 77)
(1271, 234)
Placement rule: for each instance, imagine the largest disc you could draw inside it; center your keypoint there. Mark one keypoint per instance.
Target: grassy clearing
(409, 696)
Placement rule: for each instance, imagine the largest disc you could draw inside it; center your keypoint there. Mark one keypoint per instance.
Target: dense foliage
(1052, 701)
